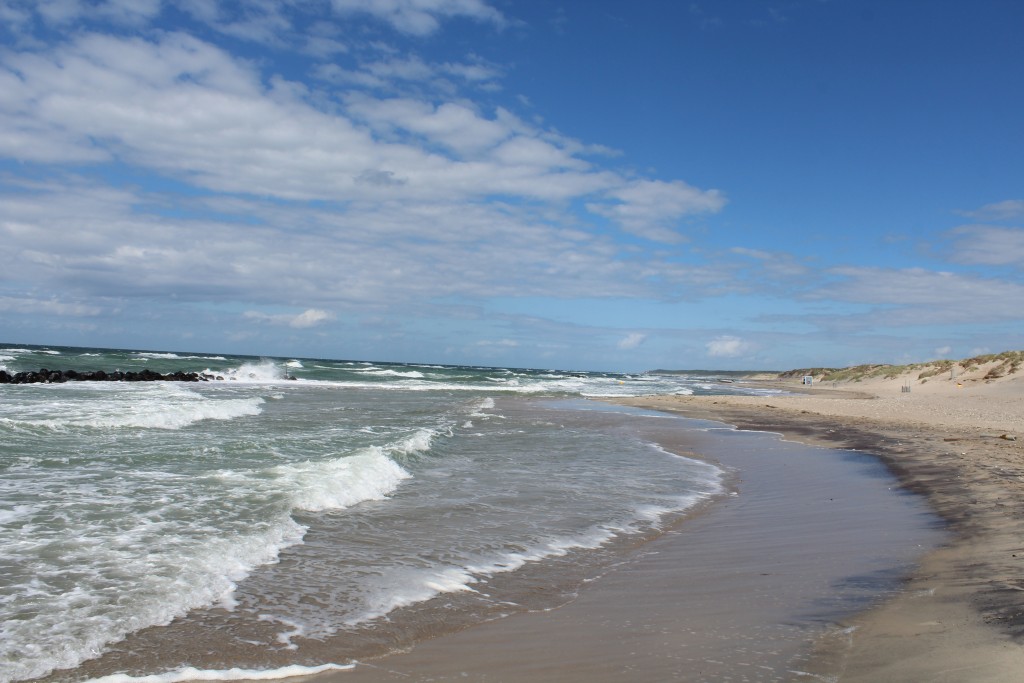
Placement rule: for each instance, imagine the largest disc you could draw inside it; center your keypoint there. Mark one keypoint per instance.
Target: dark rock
(147, 375)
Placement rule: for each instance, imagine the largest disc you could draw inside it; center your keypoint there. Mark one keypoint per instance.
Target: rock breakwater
(44, 376)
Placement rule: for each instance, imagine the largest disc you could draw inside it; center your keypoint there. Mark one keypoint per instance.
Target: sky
(586, 184)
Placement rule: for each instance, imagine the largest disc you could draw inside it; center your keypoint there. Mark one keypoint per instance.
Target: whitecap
(265, 371)
(15, 513)
(412, 374)
(160, 405)
(340, 483)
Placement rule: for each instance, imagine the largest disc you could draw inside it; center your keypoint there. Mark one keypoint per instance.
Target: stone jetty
(44, 376)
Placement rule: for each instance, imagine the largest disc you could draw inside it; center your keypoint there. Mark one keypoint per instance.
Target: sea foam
(193, 674)
(175, 570)
(342, 482)
(266, 371)
(163, 405)
(185, 573)
(411, 374)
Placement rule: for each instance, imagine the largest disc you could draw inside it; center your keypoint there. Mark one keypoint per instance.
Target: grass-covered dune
(985, 367)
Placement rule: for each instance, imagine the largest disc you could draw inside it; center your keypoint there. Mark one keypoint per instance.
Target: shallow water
(739, 592)
(260, 521)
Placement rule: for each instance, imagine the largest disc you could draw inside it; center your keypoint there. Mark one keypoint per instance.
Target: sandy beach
(959, 616)
(957, 441)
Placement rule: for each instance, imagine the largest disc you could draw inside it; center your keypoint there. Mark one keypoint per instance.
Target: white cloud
(301, 198)
(632, 340)
(324, 47)
(943, 351)
(1010, 209)
(384, 73)
(307, 318)
(988, 245)
(477, 70)
(727, 346)
(653, 208)
(939, 290)
(406, 69)
(15, 13)
(498, 343)
(185, 108)
(261, 21)
(78, 235)
(454, 126)
(394, 73)
(310, 317)
(58, 12)
(916, 296)
(777, 266)
(421, 17)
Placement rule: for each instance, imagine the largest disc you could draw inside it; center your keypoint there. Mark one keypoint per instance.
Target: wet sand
(744, 589)
(956, 442)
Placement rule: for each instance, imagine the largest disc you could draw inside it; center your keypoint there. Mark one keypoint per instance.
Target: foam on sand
(193, 674)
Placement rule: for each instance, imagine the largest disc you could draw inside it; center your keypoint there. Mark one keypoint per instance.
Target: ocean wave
(263, 372)
(408, 590)
(380, 372)
(192, 674)
(153, 355)
(340, 483)
(148, 406)
(176, 569)
(408, 587)
(173, 575)
(401, 586)
(418, 442)
(483, 405)
(16, 513)
(45, 352)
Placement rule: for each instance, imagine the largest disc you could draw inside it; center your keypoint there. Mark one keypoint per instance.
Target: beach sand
(959, 616)
(957, 441)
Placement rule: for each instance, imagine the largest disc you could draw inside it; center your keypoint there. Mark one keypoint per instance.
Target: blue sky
(585, 184)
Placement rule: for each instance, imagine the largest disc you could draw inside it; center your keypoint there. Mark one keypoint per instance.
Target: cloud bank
(273, 168)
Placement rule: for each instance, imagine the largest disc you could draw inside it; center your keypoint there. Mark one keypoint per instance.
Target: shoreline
(960, 616)
(743, 588)
(951, 610)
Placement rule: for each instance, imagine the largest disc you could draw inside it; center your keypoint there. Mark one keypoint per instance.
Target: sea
(296, 515)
